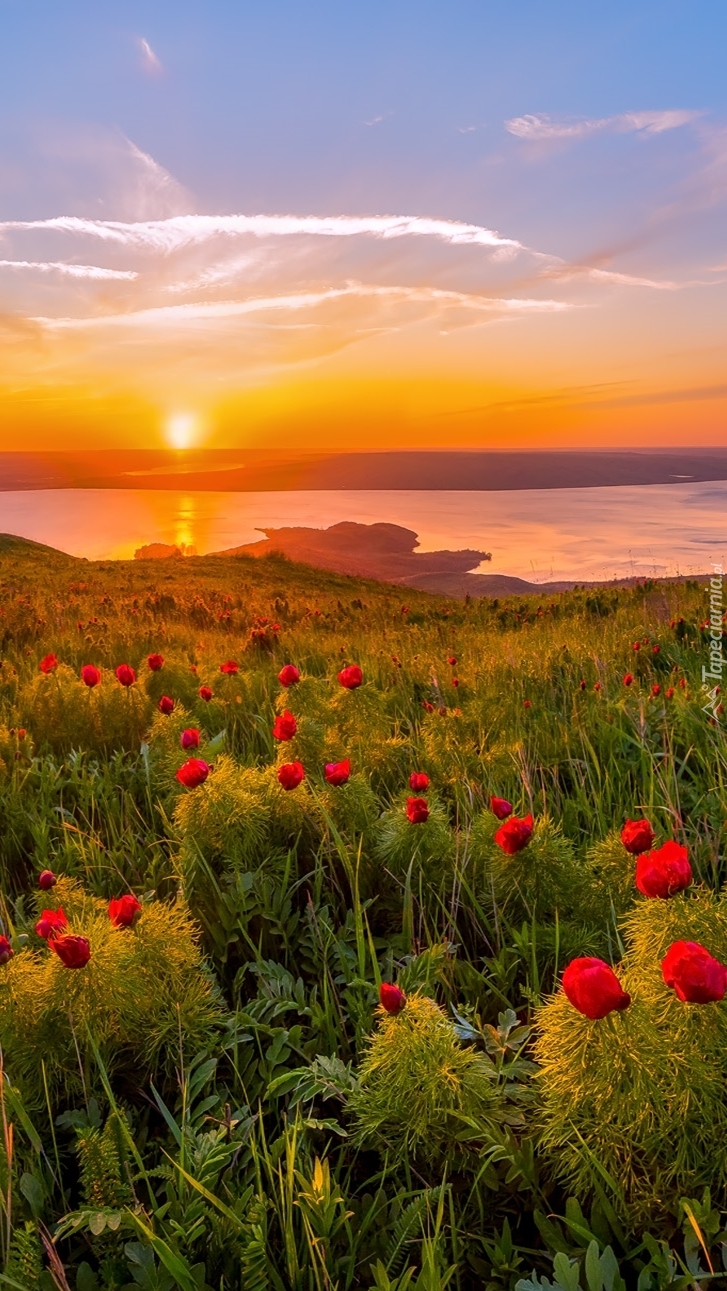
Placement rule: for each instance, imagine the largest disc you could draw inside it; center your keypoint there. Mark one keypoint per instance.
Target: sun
(181, 429)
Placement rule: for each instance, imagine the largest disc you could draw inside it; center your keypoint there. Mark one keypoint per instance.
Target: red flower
(597, 685)
(155, 662)
(73, 952)
(669, 694)
(628, 679)
(636, 645)
(455, 681)
(288, 675)
(6, 950)
(515, 834)
(391, 998)
(656, 689)
(230, 668)
(46, 880)
(656, 649)
(417, 810)
(125, 674)
(581, 684)
(351, 677)
(189, 739)
(527, 703)
(419, 782)
(501, 808)
(291, 774)
(48, 664)
(693, 974)
(428, 708)
(663, 872)
(90, 675)
(593, 988)
(193, 773)
(285, 726)
(337, 773)
(50, 922)
(166, 705)
(205, 693)
(452, 659)
(123, 910)
(637, 836)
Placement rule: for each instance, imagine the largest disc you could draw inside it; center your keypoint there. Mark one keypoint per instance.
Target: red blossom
(663, 872)
(514, 834)
(593, 988)
(637, 836)
(193, 773)
(48, 664)
(73, 952)
(291, 774)
(123, 910)
(166, 705)
(189, 739)
(288, 675)
(628, 679)
(90, 675)
(285, 726)
(155, 662)
(46, 880)
(693, 974)
(337, 773)
(125, 674)
(501, 808)
(6, 950)
(205, 693)
(50, 923)
(391, 998)
(230, 668)
(351, 677)
(417, 810)
(419, 782)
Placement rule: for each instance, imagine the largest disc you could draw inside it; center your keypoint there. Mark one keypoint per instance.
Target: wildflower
(291, 774)
(205, 693)
(419, 781)
(597, 685)
(230, 668)
(351, 677)
(515, 834)
(125, 674)
(166, 705)
(663, 872)
(637, 836)
(337, 773)
(50, 922)
(628, 679)
(417, 810)
(669, 693)
(656, 649)
(73, 952)
(90, 675)
(155, 662)
(452, 660)
(682, 683)
(391, 998)
(48, 664)
(656, 689)
(6, 950)
(527, 703)
(46, 880)
(22, 733)
(636, 645)
(193, 773)
(285, 726)
(593, 988)
(693, 974)
(455, 681)
(189, 739)
(123, 910)
(428, 708)
(289, 675)
(501, 808)
(582, 684)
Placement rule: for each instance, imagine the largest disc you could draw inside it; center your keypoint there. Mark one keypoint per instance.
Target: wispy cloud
(571, 272)
(150, 61)
(541, 127)
(70, 270)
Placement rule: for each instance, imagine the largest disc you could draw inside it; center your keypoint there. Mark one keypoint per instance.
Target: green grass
(217, 1116)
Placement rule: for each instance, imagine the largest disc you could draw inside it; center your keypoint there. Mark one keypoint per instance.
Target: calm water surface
(539, 535)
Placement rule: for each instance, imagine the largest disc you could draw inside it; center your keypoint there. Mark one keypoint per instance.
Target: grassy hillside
(204, 1092)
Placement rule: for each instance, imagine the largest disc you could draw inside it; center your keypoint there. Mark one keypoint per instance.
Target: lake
(581, 534)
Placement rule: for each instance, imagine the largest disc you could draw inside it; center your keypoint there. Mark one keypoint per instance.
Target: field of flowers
(353, 938)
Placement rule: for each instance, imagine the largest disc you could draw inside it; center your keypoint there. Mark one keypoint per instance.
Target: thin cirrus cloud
(150, 61)
(92, 271)
(537, 127)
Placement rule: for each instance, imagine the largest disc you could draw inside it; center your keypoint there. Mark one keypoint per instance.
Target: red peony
(628, 679)
(193, 773)
(46, 880)
(637, 836)
(6, 950)
(417, 810)
(663, 872)
(123, 910)
(50, 922)
(391, 998)
(205, 693)
(48, 664)
(527, 703)
(656, 689)
(166, 705)
(285, 726)
(125, 674)
(337, 773)
(419, 781)
(593, 988)
(230, 668)
(428, 708)
(73, 952)
(291, 774)
(189, 739)
(693, 974)
(351, 677)
(289, 675)
(90, 675)
(514, 834)
(501, 808)
(155, 662)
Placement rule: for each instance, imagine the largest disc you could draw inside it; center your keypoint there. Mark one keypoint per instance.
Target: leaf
(32, 1190)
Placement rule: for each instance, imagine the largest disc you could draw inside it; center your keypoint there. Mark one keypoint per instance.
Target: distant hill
(11, 545)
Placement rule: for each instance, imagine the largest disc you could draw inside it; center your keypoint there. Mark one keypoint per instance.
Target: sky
(333, 226)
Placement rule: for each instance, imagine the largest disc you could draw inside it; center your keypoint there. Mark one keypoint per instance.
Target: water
(581, 534)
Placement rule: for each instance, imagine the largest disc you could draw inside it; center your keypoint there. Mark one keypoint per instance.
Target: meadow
(294, 868)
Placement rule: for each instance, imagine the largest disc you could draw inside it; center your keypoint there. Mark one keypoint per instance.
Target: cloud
(150, 62)
(541, 127)
(71, 270)
(569, 273)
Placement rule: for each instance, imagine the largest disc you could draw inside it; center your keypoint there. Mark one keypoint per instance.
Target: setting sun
(181, 430)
